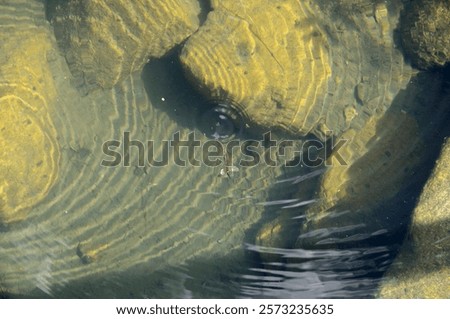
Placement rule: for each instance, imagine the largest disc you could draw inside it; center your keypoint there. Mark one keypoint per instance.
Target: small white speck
(163, 99)
(66, 212)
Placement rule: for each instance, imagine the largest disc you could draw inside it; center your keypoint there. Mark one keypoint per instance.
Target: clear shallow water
(181, 231)
(178, 231)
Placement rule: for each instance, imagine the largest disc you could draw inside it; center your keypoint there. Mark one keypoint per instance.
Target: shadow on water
(321, 270)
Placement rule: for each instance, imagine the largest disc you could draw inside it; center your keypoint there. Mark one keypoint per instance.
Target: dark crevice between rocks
(50, 6)
(168, 90)
(205, 8)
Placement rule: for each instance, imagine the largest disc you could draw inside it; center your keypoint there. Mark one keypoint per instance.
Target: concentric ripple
(222, 121)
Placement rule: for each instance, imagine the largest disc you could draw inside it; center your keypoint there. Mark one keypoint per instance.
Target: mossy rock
(425, 32)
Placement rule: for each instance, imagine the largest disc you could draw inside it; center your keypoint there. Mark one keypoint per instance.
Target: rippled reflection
(327, 273)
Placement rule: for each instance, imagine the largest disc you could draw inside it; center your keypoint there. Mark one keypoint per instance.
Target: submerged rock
(357, 197)
(297, 66)
(30, 152)
(422, 268)
(105, 41)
